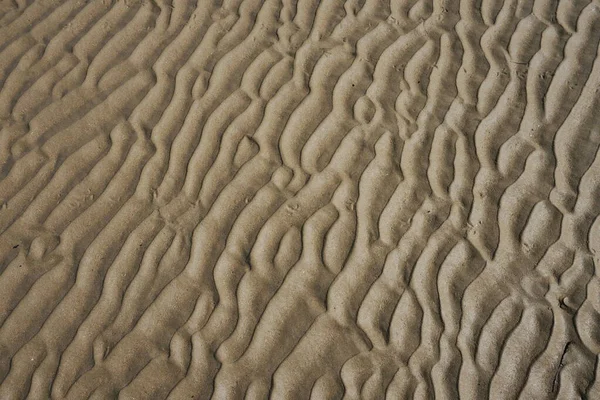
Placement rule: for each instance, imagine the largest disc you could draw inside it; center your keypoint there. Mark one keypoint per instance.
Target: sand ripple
(296, 199)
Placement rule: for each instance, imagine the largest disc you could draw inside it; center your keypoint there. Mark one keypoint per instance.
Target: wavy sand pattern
(296, 199)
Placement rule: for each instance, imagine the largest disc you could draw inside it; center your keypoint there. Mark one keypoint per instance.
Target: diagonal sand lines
(299, 199)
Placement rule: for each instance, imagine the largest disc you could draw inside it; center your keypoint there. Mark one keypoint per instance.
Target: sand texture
(299, 199)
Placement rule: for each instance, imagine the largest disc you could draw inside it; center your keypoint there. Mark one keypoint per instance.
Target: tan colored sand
(299, 199)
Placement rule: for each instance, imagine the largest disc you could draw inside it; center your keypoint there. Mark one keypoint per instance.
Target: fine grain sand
(299, 199)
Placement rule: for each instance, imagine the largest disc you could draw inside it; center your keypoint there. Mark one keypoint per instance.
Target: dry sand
(294, 199)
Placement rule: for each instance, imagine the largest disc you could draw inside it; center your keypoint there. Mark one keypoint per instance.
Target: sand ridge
(296, 199)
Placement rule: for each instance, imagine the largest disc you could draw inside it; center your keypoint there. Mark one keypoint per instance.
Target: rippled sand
(299, 199)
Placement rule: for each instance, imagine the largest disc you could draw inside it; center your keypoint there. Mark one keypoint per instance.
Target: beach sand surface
(299, 199)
